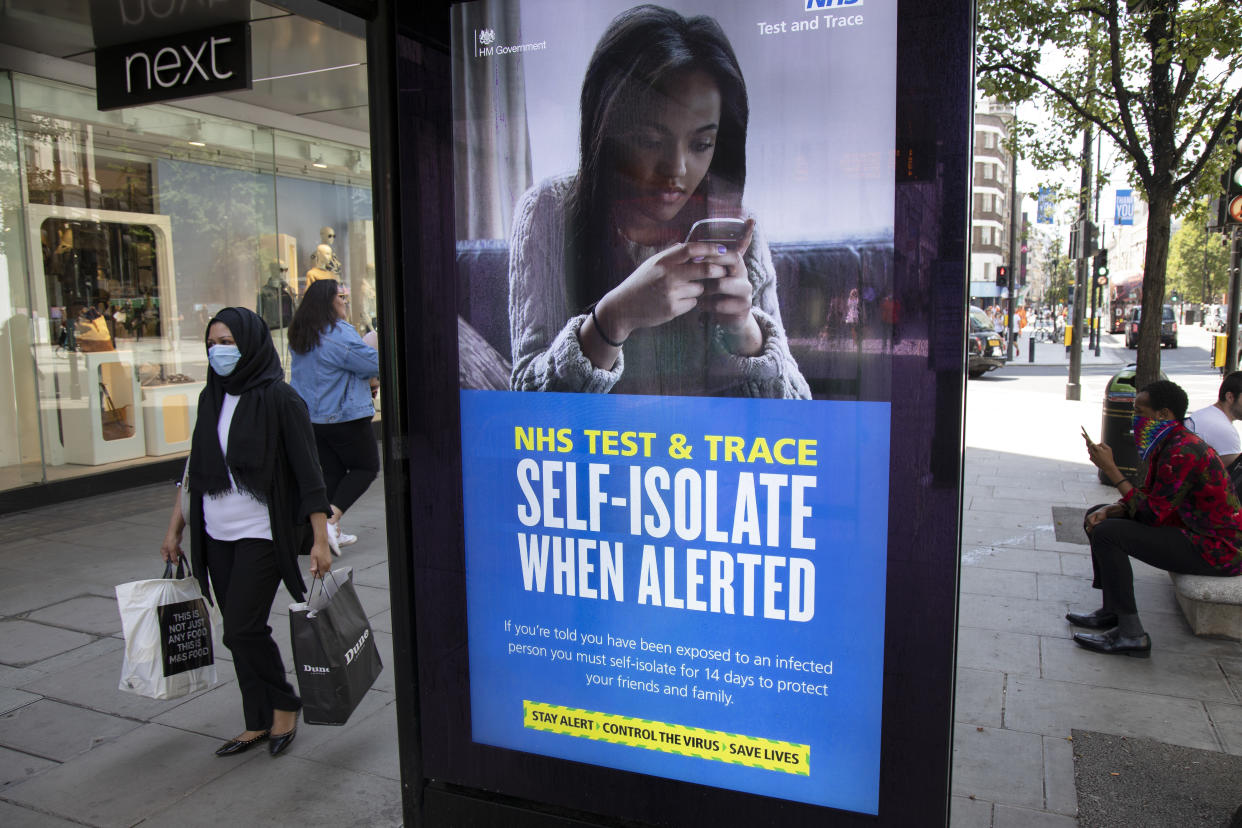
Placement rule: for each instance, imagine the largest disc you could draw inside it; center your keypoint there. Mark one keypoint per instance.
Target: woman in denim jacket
(332, 369)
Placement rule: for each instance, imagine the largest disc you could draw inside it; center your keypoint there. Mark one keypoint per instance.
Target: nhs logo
(829, 5)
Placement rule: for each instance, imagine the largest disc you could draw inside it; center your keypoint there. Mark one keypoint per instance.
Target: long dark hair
(642, 49)
(315, 315)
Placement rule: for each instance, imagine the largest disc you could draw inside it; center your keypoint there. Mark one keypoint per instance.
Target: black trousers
(349, 457)
(244, 577)
(1115, 540)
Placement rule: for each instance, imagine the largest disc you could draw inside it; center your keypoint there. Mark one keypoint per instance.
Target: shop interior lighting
(318, 163)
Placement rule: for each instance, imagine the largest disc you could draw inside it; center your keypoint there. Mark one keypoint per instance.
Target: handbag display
(334, 652)
(168, 636)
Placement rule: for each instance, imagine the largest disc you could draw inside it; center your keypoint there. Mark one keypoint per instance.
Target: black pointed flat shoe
(1114, 643)
(280, 742)
(235, 746)
(1098, 620)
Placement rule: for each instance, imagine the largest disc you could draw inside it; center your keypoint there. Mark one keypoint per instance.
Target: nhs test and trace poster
(675, 549)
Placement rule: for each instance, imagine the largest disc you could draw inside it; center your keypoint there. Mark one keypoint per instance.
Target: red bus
(1125, 292)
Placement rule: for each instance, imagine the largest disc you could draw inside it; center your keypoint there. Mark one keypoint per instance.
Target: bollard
(1030, 350)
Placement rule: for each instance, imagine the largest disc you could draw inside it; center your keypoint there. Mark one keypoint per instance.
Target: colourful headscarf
(1148, 432)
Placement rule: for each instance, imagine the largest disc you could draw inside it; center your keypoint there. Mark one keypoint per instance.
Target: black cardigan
(297, 492)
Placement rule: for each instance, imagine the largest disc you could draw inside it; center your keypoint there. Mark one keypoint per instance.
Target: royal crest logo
(487, 37)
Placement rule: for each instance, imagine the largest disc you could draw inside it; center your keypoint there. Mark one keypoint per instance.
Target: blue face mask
(223, 358)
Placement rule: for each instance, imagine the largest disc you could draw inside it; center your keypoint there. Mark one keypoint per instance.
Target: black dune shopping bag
(333, 649)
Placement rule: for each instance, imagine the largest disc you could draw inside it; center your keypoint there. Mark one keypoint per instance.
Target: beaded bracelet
(600, 330)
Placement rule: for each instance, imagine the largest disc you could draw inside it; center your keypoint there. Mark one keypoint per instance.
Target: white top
(234, 515)
(1216, 429)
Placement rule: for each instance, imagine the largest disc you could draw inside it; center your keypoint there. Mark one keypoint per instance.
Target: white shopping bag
(168, 629)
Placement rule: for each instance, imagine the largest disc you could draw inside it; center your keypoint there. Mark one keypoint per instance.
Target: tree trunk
(1159, 219)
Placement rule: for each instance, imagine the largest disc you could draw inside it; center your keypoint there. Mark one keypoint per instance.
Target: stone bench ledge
(1212, 605)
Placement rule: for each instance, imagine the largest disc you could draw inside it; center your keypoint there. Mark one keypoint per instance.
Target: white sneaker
(346, 539)
(334, 539)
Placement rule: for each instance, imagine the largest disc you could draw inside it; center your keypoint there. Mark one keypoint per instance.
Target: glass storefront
(121, 234)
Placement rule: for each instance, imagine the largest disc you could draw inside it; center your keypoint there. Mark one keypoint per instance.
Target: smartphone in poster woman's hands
(727, 232)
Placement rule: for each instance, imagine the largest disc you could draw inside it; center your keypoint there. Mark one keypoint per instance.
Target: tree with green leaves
(1158, 78)
(1195, 253)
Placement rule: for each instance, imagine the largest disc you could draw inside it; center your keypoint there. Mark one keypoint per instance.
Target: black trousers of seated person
(244, 578)
(1116, 540)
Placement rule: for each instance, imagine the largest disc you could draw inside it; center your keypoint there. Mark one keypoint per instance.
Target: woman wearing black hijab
(257, 497)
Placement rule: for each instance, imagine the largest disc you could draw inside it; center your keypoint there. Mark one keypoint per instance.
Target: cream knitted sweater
(683, 357)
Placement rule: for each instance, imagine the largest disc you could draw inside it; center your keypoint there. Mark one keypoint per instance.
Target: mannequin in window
(328, 236)
(275, 304)
(321, 261)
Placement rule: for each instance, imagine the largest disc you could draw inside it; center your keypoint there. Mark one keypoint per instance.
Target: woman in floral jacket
(1185, 518)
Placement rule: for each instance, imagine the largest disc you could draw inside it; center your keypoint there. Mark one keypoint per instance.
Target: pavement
(76, 751)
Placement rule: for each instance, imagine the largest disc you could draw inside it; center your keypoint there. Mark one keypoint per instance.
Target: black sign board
(203, 62)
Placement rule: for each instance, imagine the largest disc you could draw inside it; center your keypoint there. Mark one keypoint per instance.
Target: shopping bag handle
(311, 592)
(180, 572)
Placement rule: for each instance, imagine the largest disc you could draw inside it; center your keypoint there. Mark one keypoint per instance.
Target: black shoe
(279, 743)
(1114, 643)
(1098, 620)
(234, 746)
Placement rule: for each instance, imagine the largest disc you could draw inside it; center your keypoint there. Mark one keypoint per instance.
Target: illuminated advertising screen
(677, 321)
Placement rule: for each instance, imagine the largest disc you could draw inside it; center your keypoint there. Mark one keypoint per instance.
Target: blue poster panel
(676, 327)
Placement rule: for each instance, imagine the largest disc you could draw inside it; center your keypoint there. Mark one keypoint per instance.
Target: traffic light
(1002, 276)
(1233, 187)
(1100, 267)
(1174, 298)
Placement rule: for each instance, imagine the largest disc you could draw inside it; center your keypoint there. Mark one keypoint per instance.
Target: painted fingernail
(720, 248)
(697, 259)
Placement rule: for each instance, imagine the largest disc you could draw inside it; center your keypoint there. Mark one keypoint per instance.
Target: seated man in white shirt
(1215, 424)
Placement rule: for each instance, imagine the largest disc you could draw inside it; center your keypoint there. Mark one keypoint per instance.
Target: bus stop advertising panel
(678, 320)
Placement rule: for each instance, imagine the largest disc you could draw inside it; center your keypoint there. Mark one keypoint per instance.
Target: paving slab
(16, 766)
(1005, 557)
(1020, 615)
(981, 580)
(965, 812)
(12, 699)
(1054, 708)
(1004, 652)
(72, 658)
(1167, 673)
(24, 642)
(86, 613)
(980, 697)
(1228, 721)
(1007, 816)
(121, 783)
(309, 796)
(93, 684)
(35, 589)
(998, 765)
(1060, 795)
(353, 746)
(216, 712)
(59, 731)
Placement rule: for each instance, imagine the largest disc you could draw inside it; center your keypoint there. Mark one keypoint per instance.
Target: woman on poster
(608, 291)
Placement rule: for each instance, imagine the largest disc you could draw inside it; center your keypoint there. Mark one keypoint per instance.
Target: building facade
(123, 231)
(991, 207)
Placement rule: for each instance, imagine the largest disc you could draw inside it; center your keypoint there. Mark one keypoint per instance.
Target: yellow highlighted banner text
(733, 748)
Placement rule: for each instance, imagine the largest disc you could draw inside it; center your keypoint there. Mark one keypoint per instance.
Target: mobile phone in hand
(726, 232)
(1086, 436)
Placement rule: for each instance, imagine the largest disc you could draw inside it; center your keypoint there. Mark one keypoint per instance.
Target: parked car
(1168, 327)
(985, 350)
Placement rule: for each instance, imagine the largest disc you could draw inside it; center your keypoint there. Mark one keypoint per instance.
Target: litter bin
(1116, 430)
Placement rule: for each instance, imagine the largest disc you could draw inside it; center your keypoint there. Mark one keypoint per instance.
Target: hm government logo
(486, 45)
(829, 5)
